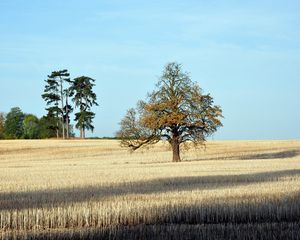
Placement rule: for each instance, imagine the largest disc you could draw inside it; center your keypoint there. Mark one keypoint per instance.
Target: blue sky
(245, 53)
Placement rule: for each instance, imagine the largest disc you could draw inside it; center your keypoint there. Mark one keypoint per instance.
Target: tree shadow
(57, 197)
(274, 155)
(254, 156)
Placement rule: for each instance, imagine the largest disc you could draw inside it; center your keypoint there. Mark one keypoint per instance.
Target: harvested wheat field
(93, 189)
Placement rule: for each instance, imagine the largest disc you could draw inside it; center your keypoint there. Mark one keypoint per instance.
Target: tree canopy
(13, 126)
(31, 127)
(176, 111)
(2, 123)
(48, 126)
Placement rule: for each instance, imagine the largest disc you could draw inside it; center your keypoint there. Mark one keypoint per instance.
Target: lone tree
(55, 95)
(176, 111)
(84, 98)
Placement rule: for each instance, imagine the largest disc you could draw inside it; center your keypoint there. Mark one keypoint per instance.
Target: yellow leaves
(159, 115)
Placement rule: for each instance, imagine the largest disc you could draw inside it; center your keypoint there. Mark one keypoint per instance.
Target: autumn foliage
(176, 111)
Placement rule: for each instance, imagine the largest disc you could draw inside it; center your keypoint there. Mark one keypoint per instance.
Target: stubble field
(93, 189)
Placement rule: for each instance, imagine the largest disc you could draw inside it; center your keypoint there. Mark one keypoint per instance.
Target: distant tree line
(59, 93)
(18, 125)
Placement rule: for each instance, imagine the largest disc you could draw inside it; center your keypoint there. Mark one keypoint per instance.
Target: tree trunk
(57, 127)
(81, 132)
(62, 108)
(67, 122)
(67, 115)
(176, 150)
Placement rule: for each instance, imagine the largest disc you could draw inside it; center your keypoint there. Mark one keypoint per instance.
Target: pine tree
(84, 98)
(55, 95)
